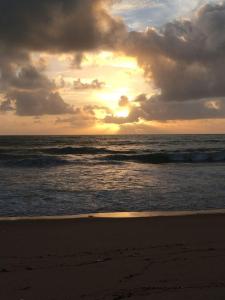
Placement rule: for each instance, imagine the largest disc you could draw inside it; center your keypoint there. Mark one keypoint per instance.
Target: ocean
(67, 175)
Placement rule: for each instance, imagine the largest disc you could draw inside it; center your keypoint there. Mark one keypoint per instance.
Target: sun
(122, 113)
(112, 96)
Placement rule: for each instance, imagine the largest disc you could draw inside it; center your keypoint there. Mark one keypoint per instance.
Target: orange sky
(94, 84)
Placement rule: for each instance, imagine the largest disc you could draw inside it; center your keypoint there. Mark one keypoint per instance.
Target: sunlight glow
(106, 58)
(122, 113)
(112, 97)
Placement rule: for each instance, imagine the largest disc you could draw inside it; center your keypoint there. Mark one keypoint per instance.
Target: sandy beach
(180, 257)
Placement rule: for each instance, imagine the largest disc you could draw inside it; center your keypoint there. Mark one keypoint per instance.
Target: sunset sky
(112, 67)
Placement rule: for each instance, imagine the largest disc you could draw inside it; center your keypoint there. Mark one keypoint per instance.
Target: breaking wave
(53, 157)
(78, 151)
(176, 157)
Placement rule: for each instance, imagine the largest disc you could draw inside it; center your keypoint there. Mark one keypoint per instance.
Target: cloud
(77, 60)
(30, 78)
(10, 61)
(56, 25)
(83, 116)
(133, 117)
(155, 109)
(52, 26)
(93, 85)
(6, 105)
(139, 129)
(185, 61)
(30, 93)
(124, 101)
(39, 103)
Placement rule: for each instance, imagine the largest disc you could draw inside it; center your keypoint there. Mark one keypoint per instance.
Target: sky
(112, 67)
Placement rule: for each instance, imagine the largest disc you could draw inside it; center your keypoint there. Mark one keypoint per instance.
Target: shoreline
(118, 215)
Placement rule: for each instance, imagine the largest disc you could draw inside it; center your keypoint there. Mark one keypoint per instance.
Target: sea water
(66, 175)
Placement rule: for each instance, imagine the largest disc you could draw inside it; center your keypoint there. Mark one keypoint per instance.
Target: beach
(179, 257)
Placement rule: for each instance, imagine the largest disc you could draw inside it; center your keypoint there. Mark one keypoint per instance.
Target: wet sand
(180, 257)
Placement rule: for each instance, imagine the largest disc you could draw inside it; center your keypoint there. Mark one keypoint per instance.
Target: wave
(104, 156)
(175, 157)
(82, 150)
(31, 161)
(76, 150)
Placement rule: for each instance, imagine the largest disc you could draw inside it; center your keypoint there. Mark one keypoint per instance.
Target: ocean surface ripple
(56, 175)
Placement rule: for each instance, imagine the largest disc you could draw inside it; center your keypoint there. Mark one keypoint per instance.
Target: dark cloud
(186, 59)
(52, 26)
(77, 60)
(58, 25)
(38, 103)
(30, 93)
(93, 85)
(11, 61)
(29, 78)
(124, 101)
(186, 62)
(6, 105)
(155, 109)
